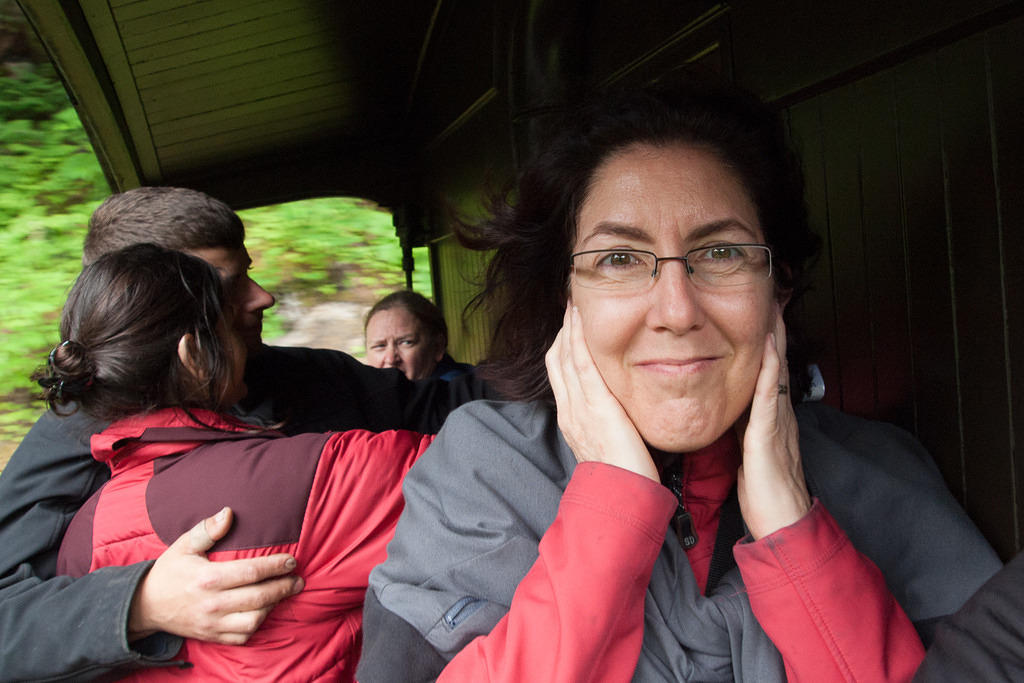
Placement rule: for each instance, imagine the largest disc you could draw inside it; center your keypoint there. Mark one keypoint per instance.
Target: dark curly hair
(120, 330)
(533, 223)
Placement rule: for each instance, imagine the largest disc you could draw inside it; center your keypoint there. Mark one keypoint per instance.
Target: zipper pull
(682, 522)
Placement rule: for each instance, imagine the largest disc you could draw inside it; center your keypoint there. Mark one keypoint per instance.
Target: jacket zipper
(682, 522)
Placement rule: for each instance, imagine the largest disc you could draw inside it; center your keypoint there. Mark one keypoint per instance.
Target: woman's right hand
(592, 420)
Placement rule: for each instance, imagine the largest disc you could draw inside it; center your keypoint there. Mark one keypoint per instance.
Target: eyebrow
(633, 233)
(611, 229)
(383, 340)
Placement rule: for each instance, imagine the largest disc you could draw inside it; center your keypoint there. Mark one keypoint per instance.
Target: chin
(679, 429)
(680, 443)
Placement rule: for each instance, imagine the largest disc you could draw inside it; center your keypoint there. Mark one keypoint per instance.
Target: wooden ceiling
(248, 98)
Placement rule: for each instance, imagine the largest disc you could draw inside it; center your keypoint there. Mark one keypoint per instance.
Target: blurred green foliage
(50, 182)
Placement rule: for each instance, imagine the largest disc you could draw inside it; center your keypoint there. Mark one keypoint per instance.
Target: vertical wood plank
(842, 164)
(936, 413)
(1007, 78)
(885, 251)
(977, 296)
(459, 274)
(816, 310)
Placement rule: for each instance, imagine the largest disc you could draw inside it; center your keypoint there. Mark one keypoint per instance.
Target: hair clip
(77, 386)
(53, 351)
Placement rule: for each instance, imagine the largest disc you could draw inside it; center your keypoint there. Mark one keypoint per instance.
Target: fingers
(764, 408)
(577, 360)
(253, 598)
(230, 574)
(239, 627)
(773, 493)
(240, 611)
(592, 421)
(203, 535)
(220, 576)
(553, 363)
(186, 594)
(780, 336)
(217, 527)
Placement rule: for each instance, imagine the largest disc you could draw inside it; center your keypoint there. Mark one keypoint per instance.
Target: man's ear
(187, 353)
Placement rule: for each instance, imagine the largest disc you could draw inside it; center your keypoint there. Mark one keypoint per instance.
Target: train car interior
(908, 118)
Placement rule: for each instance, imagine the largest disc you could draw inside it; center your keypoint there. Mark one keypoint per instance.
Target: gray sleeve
(64, 629)
(477, 504)
(55, 627)
(884, 490)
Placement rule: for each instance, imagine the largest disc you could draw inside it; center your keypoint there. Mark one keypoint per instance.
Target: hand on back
(223, 602)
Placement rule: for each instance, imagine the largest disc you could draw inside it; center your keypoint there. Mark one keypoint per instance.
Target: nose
(391, 357)
(674, 301)
(257, 298)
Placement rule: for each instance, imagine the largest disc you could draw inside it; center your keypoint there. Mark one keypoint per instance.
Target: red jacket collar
(119, 447)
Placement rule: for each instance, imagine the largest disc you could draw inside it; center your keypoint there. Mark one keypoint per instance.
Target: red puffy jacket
(331, 500)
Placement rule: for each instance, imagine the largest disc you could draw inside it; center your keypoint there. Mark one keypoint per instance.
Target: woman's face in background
(681, 359)
(396, 339)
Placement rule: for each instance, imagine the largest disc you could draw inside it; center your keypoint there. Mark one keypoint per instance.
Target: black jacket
(984, 640)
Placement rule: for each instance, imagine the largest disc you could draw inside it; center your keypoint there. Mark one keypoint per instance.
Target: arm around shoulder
(73, 629)
(56, 627)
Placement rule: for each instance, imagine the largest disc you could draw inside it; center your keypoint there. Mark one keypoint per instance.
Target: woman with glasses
(652, 506)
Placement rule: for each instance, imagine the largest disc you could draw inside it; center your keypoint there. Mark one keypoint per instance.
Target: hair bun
(69, 372)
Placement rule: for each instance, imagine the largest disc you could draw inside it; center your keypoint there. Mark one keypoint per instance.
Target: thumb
(203, 535)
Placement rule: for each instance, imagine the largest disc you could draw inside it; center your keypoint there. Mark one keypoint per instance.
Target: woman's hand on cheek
(772, 490)
(592, 420)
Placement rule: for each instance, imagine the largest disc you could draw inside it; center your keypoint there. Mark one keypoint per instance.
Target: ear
(782, 296)
(187, 355)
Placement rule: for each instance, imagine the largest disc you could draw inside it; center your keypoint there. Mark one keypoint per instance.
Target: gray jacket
(481, 498)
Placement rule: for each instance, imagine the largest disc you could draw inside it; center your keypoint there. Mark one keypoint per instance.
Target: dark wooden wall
(914, 180)
(909, 121)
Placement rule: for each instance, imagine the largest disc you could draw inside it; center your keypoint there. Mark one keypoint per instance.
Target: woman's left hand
(771, 486)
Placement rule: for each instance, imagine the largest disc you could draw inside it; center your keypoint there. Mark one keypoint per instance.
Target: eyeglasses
(719, 265)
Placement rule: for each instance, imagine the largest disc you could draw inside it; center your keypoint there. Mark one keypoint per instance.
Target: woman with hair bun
(147, 343)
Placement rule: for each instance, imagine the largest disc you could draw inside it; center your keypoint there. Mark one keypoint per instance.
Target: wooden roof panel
(164, 22)
(190, 85)
(260, 61)
(201, 80)
(241, 144)
(147, 58)
(221, 90)
(280, 110)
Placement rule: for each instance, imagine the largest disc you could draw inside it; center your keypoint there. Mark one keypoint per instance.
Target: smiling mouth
(674, 366)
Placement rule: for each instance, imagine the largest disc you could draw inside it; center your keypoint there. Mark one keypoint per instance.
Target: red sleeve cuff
(629, 497)
(791, 552)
